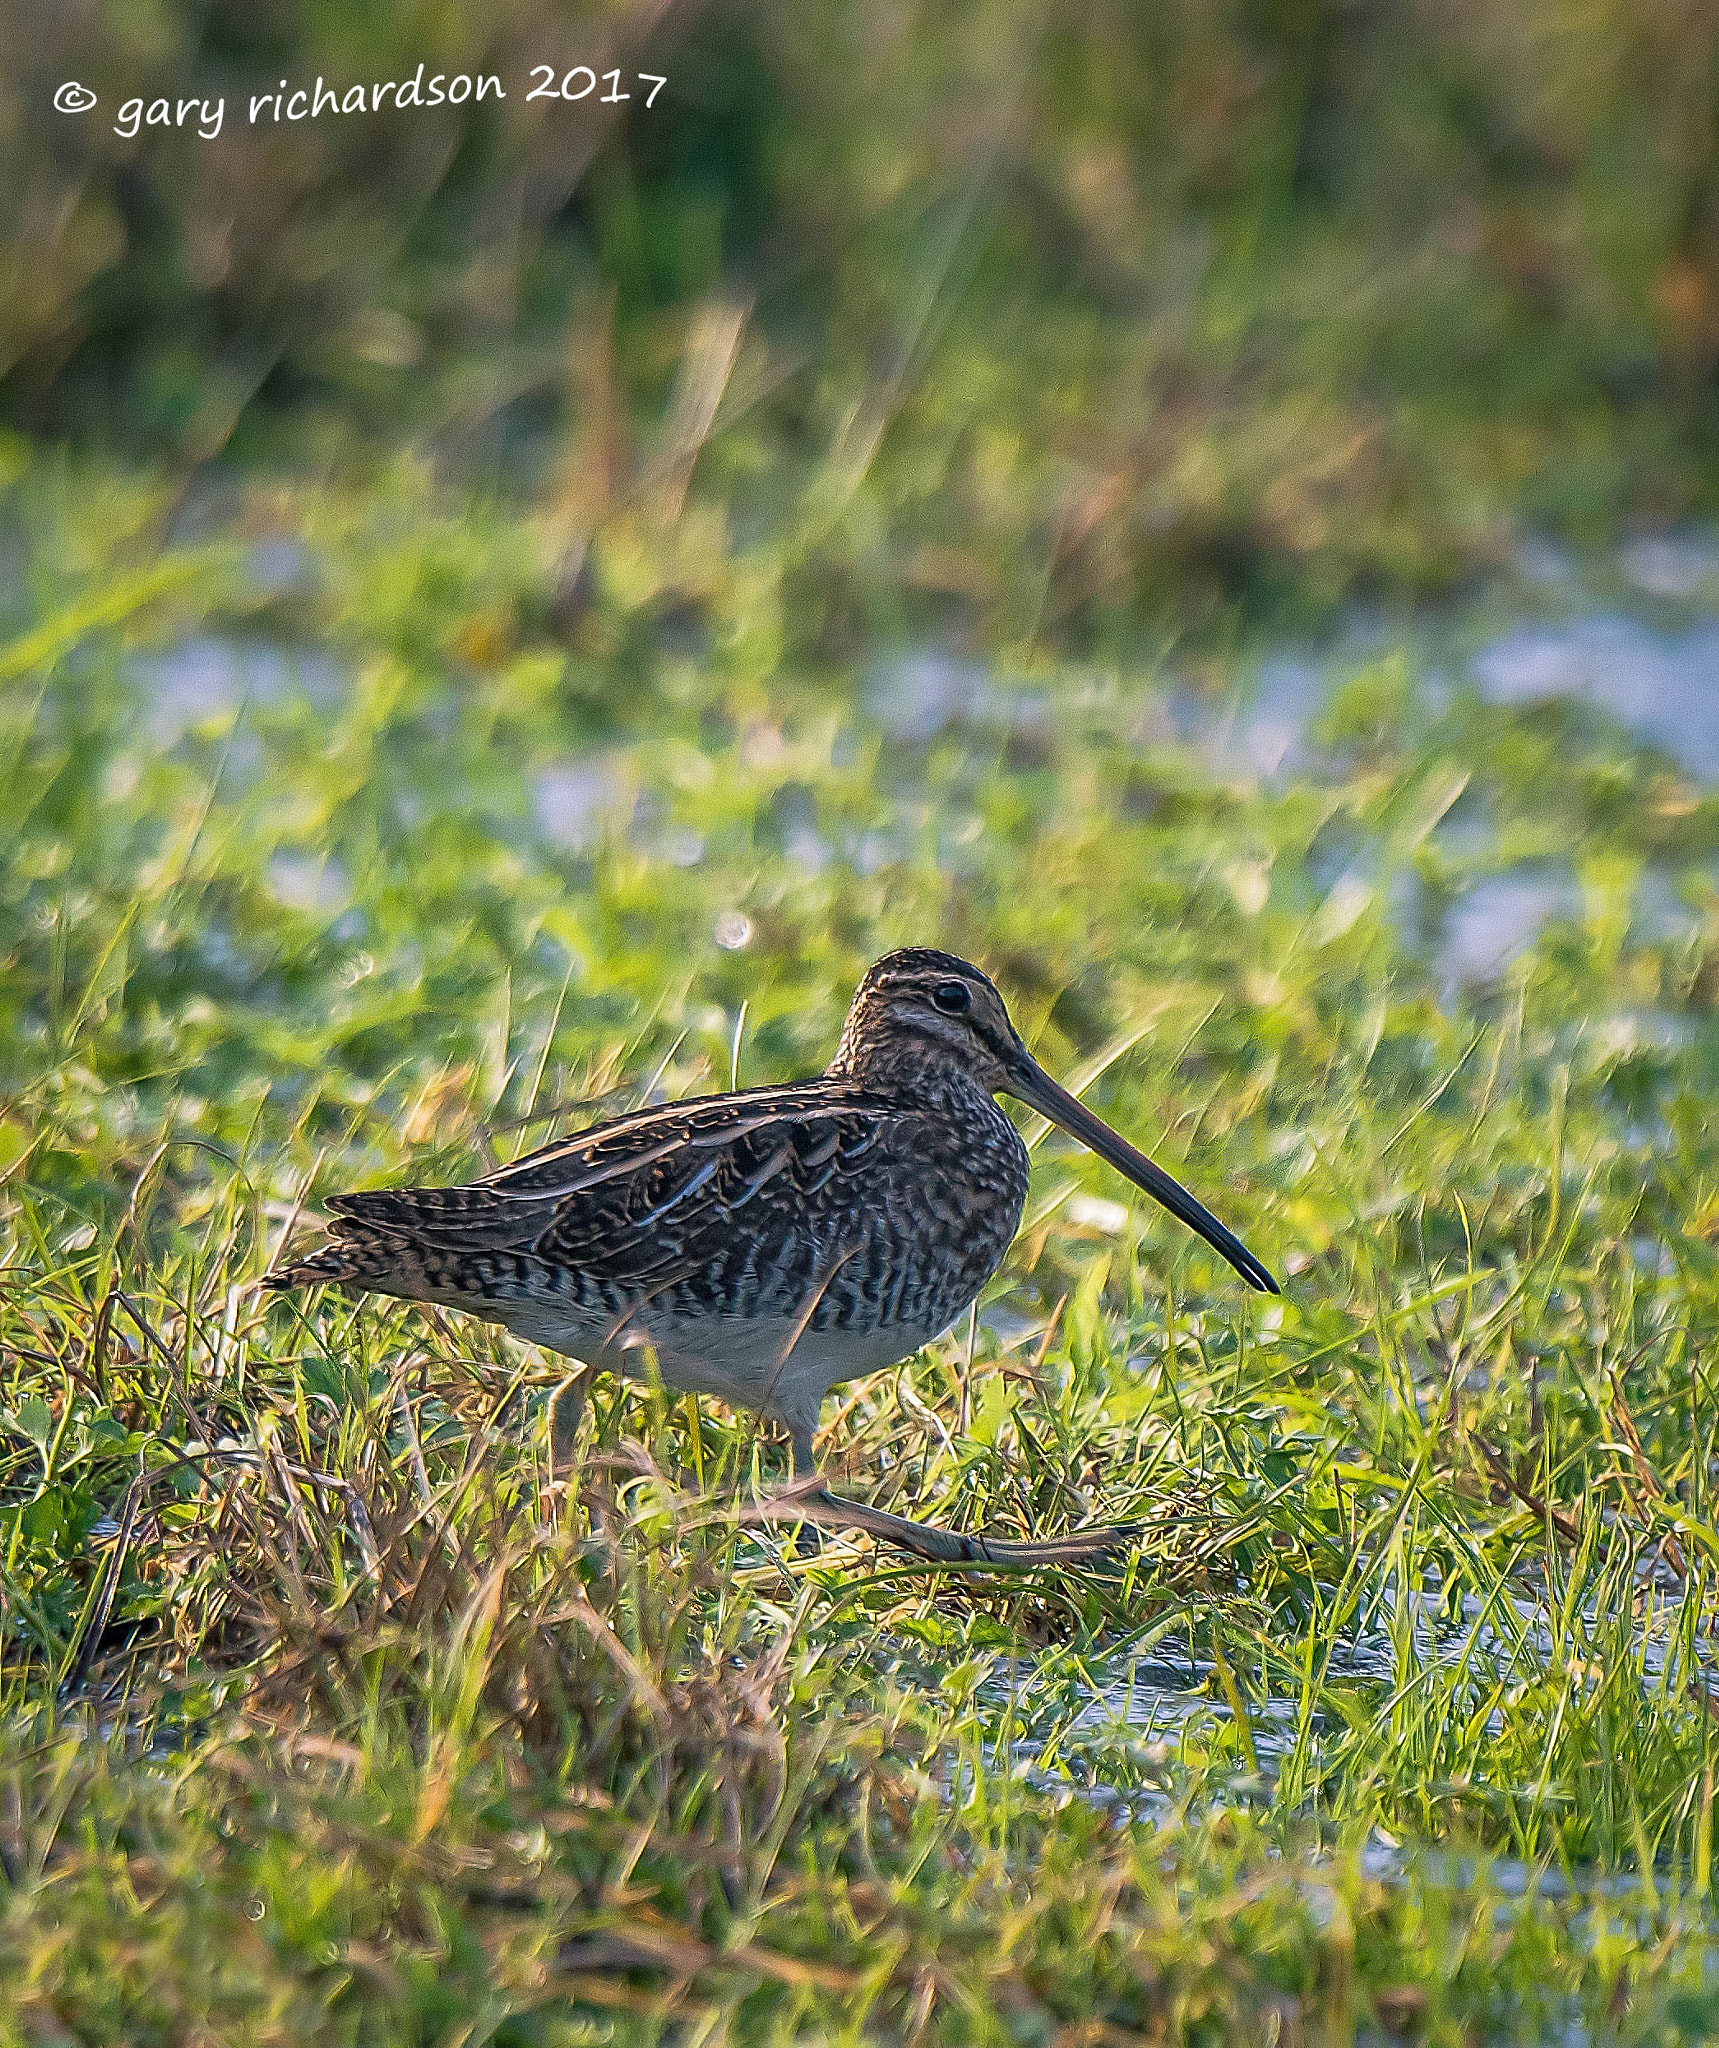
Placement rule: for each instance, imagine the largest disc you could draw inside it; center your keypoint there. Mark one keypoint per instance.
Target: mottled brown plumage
(768, 1244)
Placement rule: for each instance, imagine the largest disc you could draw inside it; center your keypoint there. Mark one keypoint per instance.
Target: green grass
(1099, 328)
(328, 1714)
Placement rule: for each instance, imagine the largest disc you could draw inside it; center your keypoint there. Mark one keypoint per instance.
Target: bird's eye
(953, 998)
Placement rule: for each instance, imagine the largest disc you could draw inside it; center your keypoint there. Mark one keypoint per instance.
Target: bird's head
(918, 1009)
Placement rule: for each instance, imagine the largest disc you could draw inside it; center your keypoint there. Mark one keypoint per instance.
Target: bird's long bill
(1036, 1088)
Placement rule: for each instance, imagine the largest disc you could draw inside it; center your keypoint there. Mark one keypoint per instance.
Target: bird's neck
(907, 1068)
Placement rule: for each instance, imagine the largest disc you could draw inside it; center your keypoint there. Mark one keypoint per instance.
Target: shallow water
(212, 679)
(1633, 640)
(1635, 644)
(1163, 1699)
(1661, 684)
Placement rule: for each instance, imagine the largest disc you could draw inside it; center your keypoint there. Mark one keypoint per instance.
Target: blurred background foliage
(1038, 323)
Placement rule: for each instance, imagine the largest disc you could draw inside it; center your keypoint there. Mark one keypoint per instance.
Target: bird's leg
(814, 1504)
(809, 1502)
(811, 1505)
(566, 1412)
(807, 1537)
(940, 1546)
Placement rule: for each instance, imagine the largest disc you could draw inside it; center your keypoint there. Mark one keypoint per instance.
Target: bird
(768, 1244)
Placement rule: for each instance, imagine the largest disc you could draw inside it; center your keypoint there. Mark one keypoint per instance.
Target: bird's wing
(647, 1198)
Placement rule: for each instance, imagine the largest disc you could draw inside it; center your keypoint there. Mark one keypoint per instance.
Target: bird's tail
(416, 1241)
(356, 1260)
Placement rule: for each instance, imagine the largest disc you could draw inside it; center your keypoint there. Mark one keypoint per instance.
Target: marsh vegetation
(441, 704)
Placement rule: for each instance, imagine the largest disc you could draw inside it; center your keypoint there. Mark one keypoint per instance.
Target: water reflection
(1498, 917)
(1661, 685)
(210, 678)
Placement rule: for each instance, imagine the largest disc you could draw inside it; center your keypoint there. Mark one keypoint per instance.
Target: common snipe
(768, 1244)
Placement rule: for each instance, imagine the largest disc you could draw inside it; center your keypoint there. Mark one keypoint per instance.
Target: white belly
(772, 1366)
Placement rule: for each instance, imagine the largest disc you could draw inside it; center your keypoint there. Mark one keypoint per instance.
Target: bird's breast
(927, 1223)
